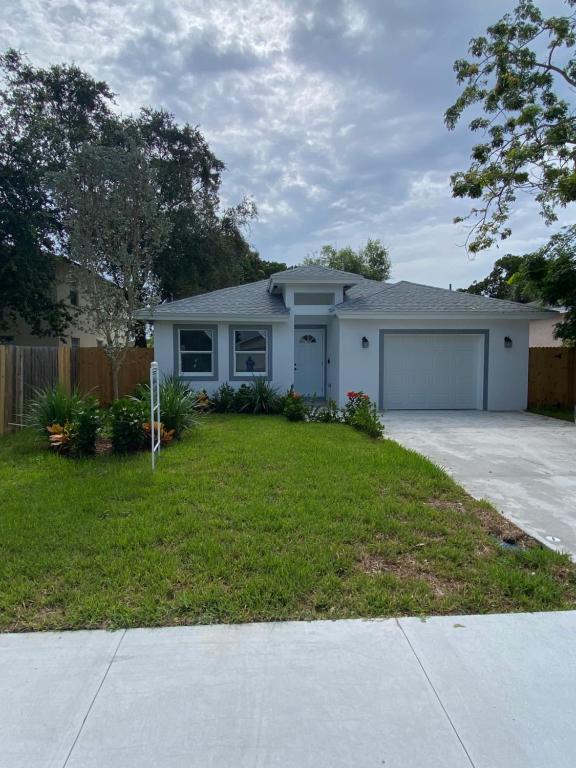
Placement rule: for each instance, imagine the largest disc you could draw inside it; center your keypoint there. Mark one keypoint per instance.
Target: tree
(45, 115)
(550, 272)
(501, 283)
(111, 209)
(49, 115)
(521, 75)
(371, 261)
(207, 248)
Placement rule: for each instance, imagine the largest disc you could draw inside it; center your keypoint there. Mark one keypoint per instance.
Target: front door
(309, 361)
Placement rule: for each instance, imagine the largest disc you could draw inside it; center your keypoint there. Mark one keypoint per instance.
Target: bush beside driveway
(255, 519)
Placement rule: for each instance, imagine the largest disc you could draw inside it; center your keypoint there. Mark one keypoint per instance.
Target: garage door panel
(432, 371)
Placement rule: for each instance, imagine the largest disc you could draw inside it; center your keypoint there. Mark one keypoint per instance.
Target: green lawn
(565, 414)
(254, 519)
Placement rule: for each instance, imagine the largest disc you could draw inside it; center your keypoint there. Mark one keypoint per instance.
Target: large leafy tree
(371, 261)
(45, 116)
(518, 80)
(207, 248)
(502, 283)
(48, 116)
(116, 226)
(550, 272)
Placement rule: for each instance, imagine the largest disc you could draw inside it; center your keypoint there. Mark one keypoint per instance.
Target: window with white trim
(250, 352)
(196, 351)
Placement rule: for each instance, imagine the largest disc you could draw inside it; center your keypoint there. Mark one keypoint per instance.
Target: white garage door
(432, 371)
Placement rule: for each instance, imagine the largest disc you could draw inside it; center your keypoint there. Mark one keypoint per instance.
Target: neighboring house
(542, 331)
(327, 332)
(68, 290)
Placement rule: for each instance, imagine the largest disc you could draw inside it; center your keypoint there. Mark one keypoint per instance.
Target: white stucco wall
(507, 367)
(542, 332)
(282, 353)
(353, 368)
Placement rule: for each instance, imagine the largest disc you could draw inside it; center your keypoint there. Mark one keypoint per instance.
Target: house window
(74, 297)
(250, 352)
(196, 352)
(310, 299)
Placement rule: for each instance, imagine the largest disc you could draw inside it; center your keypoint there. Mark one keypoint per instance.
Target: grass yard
(565, 414)
(254, 519)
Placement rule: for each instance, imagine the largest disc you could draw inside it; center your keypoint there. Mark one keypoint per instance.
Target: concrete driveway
(449, 692)
(524, 464)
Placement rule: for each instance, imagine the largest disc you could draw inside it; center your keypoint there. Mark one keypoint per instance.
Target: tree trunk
(115, 372)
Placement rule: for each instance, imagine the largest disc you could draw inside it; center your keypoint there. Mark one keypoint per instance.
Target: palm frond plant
(262, 398)
(52, 405)
(179, 407)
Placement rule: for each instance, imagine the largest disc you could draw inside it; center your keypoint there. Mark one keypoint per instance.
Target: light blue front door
(309, 361)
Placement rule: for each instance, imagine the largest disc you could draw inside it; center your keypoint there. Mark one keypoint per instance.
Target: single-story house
(327, 332)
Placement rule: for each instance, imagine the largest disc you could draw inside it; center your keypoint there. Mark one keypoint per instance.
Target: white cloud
(328, 112)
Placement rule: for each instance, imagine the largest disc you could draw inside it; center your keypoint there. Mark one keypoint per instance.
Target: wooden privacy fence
(552, 377)
(94, 372)
(23, 370)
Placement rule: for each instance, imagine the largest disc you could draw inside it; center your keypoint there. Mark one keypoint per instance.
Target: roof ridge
(293, 268)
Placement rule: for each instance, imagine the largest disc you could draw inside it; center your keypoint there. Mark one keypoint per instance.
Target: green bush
(84, 428)
(178, 404)
(295, 408)
(52, 405)
(326, 414)
(224, 399)
(361, 413)
(242, 399)
(261, 397)
(127, 417)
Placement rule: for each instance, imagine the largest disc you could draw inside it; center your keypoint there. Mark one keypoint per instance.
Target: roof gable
(314, 273)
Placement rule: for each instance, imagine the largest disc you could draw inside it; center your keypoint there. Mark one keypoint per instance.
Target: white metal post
(155, 432)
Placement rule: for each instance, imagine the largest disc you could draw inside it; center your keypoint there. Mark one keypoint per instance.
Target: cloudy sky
(328, 112)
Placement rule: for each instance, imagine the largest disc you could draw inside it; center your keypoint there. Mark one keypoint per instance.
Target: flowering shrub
(326, 414)
(361, 413)
(127, 419)
(85, 427)
(294, 406)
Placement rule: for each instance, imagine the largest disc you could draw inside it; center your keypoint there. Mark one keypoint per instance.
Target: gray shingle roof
(365, 297)
(314, 273)
(413, 297)
(248, 299)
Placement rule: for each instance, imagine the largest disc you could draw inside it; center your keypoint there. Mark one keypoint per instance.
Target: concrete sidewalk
(451, 692)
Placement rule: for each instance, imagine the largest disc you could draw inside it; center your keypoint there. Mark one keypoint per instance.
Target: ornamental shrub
(361, 413)
(241, 399)
(127, 418)
(179, 405)
(52, 405)
(295, 408)
(224, 399)
(328, 413)
(85, 427)
(261, 397)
